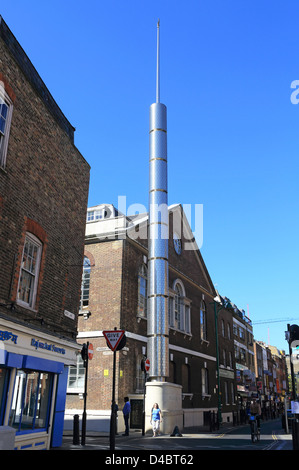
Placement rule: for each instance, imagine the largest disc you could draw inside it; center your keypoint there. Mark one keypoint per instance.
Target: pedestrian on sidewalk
(156, 418)
(126, 413)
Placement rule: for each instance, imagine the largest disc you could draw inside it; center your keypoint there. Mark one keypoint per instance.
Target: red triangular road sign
(113, 338)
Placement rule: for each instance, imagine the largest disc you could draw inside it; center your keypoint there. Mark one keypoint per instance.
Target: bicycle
(255, 431)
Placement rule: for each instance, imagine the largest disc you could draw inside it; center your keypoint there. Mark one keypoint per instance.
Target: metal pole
(286, 416)
(294, 395)
(158, 64)
(143, 411)
(85, 397)
(113, 416)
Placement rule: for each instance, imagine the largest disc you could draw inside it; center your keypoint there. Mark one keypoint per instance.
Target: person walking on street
(126, 413)
(156, 418)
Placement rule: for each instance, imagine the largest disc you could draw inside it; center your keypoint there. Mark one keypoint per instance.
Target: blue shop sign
(8, 335)
(48, 347)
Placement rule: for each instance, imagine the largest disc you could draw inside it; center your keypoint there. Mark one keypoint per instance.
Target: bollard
(76, 439)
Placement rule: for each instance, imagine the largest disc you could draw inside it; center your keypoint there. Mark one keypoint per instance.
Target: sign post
(145, 367)
(87, 354)
(116, 340)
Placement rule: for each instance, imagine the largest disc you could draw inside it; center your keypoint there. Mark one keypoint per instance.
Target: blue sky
(233, 132)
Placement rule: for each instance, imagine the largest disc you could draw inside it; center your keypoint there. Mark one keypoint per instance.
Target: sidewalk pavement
(101, 440)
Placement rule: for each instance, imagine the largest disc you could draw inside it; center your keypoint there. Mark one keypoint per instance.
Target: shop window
(31, 401)
(4, 374)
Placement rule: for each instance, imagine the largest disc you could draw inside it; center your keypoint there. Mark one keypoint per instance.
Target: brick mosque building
(114, 294)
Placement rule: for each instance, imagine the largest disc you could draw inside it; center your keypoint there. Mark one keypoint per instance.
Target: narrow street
(273, 437)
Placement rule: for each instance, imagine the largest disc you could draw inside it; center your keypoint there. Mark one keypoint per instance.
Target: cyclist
(255, 410)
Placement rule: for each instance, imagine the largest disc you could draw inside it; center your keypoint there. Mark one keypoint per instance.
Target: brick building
(228, 402)
(44, 184)
(114, 295)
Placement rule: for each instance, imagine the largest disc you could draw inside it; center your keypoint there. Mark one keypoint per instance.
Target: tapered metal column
(157, 325)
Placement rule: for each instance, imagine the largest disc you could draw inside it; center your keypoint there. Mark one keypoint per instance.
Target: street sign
(90, 351)
(147, 365)
(113, 338)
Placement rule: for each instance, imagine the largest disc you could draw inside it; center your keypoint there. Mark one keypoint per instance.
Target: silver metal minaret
(157, 324)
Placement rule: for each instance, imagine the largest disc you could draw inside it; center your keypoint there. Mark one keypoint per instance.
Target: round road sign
(147, 365)
(90, 351)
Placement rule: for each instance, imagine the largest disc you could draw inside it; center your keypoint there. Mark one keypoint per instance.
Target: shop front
(33, 381)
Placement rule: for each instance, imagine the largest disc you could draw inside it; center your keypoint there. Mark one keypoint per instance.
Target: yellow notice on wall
(121, 373)
(106, 372)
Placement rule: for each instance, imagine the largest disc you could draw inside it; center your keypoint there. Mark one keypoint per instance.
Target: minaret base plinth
(169, 398)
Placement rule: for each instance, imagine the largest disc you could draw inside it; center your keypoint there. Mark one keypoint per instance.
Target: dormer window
(97, 214)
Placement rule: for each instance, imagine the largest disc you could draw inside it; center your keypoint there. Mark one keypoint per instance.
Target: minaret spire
(158, 63)
(157, 291)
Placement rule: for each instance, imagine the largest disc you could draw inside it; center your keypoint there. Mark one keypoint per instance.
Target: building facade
(228, 399)
(114, 294)
(44, 184)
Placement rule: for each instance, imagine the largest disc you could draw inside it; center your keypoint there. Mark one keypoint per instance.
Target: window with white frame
(5, 120)
(29, 272)
(84, 300)
(179, 308)
(96, 214)
(203, 321)
(223, 328)
(204, 381)
(242, 332)
(76, 377)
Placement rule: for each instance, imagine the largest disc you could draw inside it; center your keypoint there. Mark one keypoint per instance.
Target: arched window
(203, 321)
(179, 308)
(178, 303)
(84, 301)
(142, 291)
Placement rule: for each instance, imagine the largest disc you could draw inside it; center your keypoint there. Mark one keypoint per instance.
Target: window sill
(3, 170)
(140, 317)
(187, 395)
(84, 313)
(207, 396)
(177, 330)
(25, 306)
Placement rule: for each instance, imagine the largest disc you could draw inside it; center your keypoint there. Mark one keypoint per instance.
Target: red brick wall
(44, 190)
